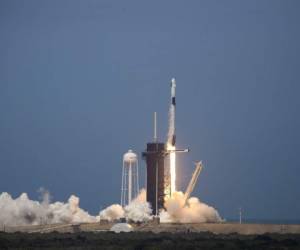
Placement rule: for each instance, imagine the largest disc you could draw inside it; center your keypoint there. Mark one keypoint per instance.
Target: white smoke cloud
(23, 211)
(138, 210)
(111, 213)
(45, 196)
(121, 227)
(192, 212)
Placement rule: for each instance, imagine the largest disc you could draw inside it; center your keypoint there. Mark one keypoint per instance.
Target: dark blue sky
(79, 81)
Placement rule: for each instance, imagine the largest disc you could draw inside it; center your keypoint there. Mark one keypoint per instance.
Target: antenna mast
(155, 128)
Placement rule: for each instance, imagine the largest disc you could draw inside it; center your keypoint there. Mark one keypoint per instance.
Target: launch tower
(155, 161)
(155, 158)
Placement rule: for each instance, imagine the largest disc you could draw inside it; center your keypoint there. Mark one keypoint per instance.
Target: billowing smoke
(194, 211)
(111, 213)
(23, 211)
(138, 210)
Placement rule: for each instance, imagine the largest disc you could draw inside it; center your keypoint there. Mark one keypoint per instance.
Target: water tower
(130, 178)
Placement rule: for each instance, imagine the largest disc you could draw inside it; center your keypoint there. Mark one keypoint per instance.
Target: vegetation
(145, 241)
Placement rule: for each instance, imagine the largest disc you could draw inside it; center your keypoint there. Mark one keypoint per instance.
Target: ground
(146, 241)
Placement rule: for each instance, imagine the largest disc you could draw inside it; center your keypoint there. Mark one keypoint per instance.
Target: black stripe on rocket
(173, 140)
(173, 101)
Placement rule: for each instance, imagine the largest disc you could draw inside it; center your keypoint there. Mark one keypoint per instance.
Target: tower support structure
(155, 161)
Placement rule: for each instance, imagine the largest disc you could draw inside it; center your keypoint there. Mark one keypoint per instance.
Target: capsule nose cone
(173, 82)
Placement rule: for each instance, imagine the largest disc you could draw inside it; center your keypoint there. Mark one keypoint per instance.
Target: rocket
(171, 133)
(173, 103)
(173, 86)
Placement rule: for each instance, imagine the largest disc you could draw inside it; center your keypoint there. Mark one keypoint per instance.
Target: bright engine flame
(172, 168)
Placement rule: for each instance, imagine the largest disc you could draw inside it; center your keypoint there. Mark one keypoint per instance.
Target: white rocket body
(173, 86)
(172, 136)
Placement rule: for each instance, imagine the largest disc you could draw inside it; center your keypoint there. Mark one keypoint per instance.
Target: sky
(80, 80)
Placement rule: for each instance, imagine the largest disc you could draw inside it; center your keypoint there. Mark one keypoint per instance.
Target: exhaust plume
(193, 212)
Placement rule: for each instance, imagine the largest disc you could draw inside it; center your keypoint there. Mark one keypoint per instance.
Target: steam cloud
(176, 211)
(111, 213)
(138, 210)
(23, 211)
(192, 212)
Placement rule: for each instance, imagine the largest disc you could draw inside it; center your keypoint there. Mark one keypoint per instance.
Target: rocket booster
(173, 86)
(173, 103)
